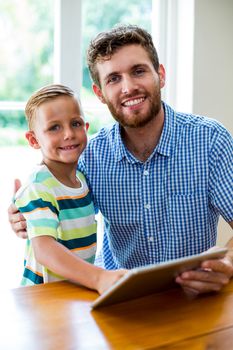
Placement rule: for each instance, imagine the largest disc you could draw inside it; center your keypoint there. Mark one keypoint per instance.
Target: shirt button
(147, 206)
(151, 239)
(146, 172)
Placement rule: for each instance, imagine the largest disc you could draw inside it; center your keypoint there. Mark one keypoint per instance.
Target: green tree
(26, 52)
(26, 32)
(104, 14)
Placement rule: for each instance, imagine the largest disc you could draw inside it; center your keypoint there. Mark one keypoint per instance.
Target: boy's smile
(59, 131)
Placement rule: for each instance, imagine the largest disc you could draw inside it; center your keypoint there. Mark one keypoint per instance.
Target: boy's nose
(68, 133)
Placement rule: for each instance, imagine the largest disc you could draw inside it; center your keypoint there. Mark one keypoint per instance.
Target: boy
(56, 201)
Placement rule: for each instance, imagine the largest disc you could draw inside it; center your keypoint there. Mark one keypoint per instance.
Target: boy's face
(59, 131)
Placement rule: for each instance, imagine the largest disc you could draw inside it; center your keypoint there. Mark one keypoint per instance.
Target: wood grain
(58, 316)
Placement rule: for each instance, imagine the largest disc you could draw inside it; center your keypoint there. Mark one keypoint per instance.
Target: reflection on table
(58, 316)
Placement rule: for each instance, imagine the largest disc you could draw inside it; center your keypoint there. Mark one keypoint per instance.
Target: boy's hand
(16, 219)
(108, 278)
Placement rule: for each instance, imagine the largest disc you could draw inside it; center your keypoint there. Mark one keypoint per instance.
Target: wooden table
(58, 316)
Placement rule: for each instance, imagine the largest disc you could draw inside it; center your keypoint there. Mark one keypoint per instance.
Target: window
(26, 59)
(44, 42)
(30, 59)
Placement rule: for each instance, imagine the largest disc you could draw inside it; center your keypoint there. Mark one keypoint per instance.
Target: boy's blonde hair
(45, 94)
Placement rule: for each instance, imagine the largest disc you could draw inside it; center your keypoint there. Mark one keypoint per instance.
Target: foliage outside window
(26, 57)
(98, 17)
(26, 60)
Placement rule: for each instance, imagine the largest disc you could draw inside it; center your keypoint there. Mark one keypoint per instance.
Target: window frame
(168, 33)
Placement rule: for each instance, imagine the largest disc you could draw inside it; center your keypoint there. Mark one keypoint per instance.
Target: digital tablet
(150, 279)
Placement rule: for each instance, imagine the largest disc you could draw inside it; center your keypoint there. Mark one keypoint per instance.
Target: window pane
(26, 53)
(99, 16)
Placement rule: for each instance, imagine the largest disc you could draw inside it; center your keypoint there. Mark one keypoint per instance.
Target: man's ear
(162, 75)
(98, 93)
(30, 136)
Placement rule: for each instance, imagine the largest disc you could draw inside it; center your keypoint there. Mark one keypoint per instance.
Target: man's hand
(16, 219)
(211, 277)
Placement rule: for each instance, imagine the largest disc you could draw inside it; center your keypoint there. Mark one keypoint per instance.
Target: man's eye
(139, 71)
(113, 79)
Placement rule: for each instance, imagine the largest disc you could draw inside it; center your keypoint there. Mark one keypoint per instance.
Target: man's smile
(133, 102)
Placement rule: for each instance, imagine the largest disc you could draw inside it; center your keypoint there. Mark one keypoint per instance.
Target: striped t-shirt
(53, 209)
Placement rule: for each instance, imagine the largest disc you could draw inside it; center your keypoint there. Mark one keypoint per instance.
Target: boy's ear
(98, 93)
(30, 136)
(87, 126)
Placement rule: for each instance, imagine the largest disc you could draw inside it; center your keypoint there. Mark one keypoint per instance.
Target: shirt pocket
(189, 229)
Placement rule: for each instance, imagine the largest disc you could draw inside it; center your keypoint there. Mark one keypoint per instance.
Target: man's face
(130, 86)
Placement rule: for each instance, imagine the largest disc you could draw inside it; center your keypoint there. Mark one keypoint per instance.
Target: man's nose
(127, 85)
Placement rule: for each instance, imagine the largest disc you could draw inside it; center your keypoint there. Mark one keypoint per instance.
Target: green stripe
(69, 214)
(43, 223)
(30, 196)
(81, 176)
(91, 260)
(82, 242)
(40, 176)
(42, 231)
(51, 183)
(26, 282)
(79, 231)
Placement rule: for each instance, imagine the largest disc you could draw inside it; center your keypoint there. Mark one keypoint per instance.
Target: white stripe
(79, 222)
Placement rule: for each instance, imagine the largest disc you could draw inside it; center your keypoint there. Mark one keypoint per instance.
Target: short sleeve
(221, 175)
(40, 209)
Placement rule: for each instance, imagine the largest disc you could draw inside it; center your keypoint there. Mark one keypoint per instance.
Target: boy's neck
(65, 173)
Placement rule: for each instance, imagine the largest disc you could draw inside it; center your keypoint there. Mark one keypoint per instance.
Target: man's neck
(142, 141)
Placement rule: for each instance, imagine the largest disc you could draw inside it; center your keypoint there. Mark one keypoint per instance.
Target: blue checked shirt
(167, 207)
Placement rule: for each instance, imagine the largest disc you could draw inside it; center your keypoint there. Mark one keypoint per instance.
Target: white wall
(213, 60)
(194, 39)
(213, 69)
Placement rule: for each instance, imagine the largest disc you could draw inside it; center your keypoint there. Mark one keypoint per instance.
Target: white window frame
(67, 48)
(68, 43)
(172, 31)
(173, 34)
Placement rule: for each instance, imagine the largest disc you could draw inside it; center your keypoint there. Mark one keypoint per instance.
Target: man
(160, 178)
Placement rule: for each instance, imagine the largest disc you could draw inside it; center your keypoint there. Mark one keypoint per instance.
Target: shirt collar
(166, 142)
(120, 149)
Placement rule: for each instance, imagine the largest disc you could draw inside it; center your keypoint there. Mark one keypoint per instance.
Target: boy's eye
(54, 127)
(76, 123)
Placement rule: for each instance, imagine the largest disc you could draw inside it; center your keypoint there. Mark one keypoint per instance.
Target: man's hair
(45, 94)
(105, 44)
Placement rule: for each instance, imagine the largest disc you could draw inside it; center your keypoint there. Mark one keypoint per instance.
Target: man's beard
(136, 119)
